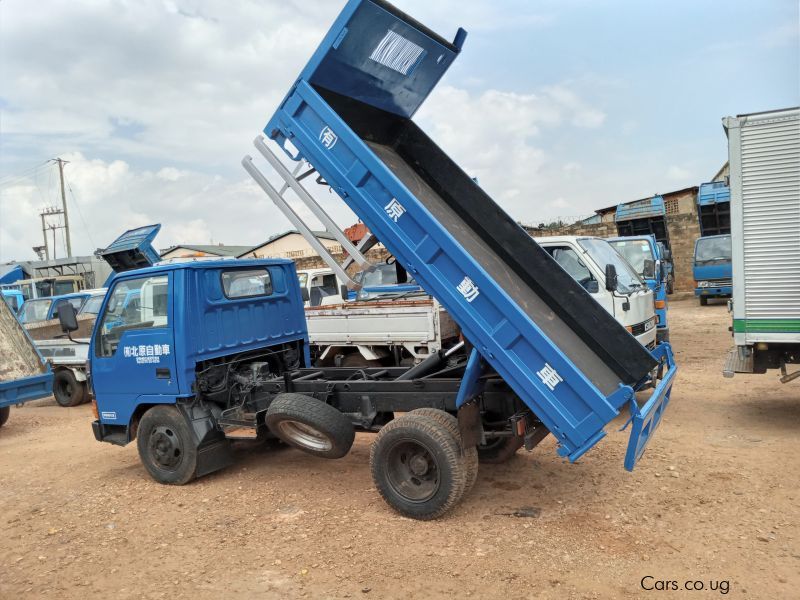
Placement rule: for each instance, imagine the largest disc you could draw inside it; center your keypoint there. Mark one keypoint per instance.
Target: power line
(80, 214)
(25, 174)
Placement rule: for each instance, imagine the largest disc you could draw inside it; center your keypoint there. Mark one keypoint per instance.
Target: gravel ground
(713, 501)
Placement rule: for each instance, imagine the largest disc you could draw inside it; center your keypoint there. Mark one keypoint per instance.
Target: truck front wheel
(67, 390)
(5, 412)
(167, 447)
(703, 300)
(417, 467)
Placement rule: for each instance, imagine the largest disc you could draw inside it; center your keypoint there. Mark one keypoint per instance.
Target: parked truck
(646, 257)
(764, 155)
(24, 374)
(219, 350)
(619, 289)
(712, 268)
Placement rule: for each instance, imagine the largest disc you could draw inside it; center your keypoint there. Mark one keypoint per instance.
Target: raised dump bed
(349, 116)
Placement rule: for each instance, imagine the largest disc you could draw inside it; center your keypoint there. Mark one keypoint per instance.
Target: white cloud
(106, 198)
(497, 136)
(679, 174)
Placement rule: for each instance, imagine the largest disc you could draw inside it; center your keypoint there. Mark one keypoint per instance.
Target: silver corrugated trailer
(764, 151)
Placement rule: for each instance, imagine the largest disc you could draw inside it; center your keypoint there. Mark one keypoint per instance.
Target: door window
(132, 304)
(568, 259)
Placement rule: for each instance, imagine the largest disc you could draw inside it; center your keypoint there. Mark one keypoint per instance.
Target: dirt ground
(714, 501)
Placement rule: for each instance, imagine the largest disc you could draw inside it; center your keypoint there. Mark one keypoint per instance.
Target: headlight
(649, 324)
(702, 284)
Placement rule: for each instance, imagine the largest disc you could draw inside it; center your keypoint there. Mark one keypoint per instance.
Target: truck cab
(154, 353)
(14, 298)
(628, 299)
(713, 269)
(321, 285)
(43, 287)
(44, 309)
(644, 254)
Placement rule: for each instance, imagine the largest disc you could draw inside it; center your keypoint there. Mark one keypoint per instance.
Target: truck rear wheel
(167, 447)
(5, 412)
(417, 467)
(67, 390)
(310, 425)
(499, 449)
(470, 455)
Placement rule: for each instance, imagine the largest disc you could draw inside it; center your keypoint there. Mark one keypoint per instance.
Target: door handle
(162, 373)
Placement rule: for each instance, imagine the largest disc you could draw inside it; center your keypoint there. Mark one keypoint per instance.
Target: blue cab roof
(206, 264)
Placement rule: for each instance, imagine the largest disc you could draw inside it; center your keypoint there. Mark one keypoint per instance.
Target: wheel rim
(65, 390)
(165, 447)
(412, 471)
(305, 435)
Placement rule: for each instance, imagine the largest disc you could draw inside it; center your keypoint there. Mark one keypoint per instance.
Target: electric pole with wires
(61, 164)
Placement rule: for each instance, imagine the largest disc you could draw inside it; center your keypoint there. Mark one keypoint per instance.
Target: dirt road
(715, 500)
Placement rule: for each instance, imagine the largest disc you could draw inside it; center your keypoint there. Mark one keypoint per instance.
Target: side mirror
(68, 318)
(611, 278)
(304, 294)
(344, 292)
(649, 269)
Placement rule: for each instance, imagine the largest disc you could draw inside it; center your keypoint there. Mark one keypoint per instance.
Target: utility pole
(48, 212)
(44, 235)
(61, 164)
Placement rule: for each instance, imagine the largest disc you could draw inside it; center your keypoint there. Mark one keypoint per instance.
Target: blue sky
(559, 108)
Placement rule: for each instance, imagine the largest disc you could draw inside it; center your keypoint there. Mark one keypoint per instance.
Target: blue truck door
(133, 351)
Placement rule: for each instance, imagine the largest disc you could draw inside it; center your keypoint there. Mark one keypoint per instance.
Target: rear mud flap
(644, 420)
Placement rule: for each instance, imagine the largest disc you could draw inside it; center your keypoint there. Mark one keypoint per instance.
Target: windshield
(635, 252)
(64, 287)
(713, 248)
(382, 275)
(92, 305)
(604, 254)
(35, 310)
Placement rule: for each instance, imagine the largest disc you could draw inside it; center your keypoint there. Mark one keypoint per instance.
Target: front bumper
(714, 292)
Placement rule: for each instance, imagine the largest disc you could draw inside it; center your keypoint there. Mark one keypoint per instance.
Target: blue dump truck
(713, 268)
(219, 349)
(24, 374)
(645, 256)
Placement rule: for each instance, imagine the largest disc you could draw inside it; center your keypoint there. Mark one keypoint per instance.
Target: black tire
(703, 300)
(5, 412)
(67, 390)
(499, 449)
(310, 425)
(167, 446)
(417, 467)
(670, 286)
(470, 455)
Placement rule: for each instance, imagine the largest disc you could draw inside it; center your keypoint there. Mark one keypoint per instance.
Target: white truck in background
(611, 281)
(764, 155)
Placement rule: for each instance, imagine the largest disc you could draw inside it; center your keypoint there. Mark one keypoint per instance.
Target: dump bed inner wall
(584, 331)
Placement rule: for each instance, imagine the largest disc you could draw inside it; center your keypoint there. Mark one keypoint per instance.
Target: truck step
(736, 364)
(239, 432)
